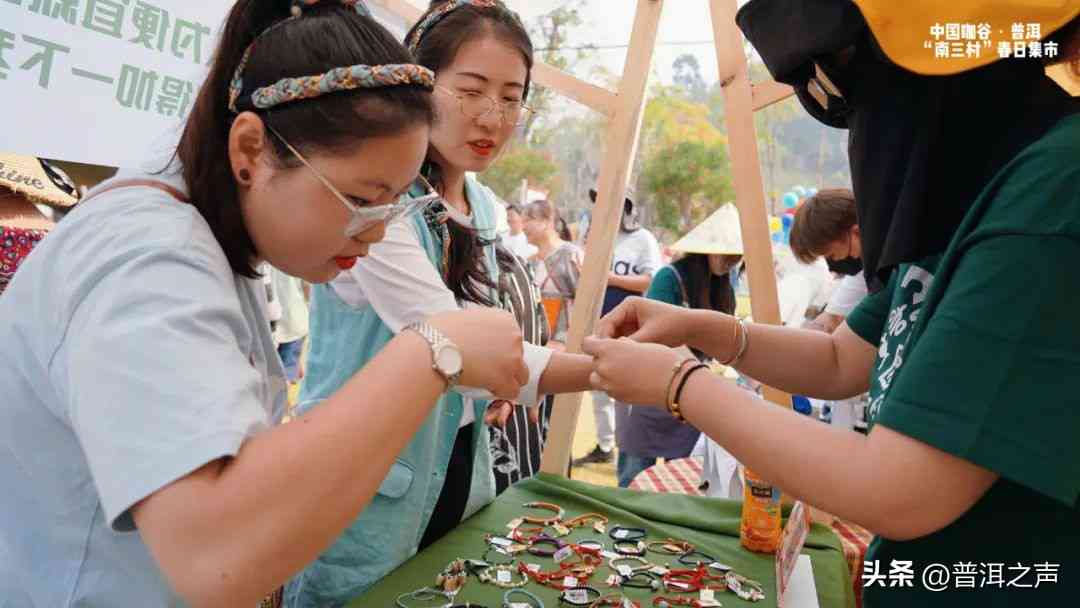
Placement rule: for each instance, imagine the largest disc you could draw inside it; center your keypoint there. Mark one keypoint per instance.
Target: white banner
(105, 82)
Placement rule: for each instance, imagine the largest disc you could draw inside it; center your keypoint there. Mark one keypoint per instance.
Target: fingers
(593, 346)
(608, 327)
(534, 414)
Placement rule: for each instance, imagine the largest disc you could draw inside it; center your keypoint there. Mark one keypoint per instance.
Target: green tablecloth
(710, 524)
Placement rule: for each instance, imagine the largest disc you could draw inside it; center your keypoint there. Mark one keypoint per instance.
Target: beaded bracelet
(625, 570)
(533, 601)
(670, 547)
(634, 548)
(504, 582)
(424, 595)
(579, 596)
(624, 533)
(547, 506)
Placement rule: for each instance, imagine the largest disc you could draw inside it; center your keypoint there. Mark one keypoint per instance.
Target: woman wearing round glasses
(443, 260)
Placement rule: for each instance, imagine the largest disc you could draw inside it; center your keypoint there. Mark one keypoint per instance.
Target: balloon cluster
(780, 227)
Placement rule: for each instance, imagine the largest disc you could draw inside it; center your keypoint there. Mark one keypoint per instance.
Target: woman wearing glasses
(441, 261)
(141, 385)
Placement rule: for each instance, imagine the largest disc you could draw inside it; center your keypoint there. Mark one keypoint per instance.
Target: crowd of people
(319, 224)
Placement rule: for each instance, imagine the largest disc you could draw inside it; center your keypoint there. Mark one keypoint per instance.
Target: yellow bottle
(760, 530)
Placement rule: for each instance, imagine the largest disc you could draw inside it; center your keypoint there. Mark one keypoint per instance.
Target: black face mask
(847, 266)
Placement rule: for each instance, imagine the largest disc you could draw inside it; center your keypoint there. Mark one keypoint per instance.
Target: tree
(552, 31)
(687, 181)
(687, 76)
(518, 163)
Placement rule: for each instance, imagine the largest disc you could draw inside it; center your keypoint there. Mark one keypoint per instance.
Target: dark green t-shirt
(979, 356)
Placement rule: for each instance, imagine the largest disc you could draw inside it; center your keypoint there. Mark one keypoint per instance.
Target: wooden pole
(620, 148)
(746, 170)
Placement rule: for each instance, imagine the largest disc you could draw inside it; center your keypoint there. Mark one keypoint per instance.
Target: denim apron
(388, 532)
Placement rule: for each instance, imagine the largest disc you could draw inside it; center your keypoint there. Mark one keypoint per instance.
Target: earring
(245, 176)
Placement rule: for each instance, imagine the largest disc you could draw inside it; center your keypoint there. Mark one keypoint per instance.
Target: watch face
(449, 361)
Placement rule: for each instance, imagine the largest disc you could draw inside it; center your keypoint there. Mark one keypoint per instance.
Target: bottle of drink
(760, 530)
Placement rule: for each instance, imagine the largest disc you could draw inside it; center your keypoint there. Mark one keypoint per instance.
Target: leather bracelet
(547, 506)
(581, 520)
(594, 545)
(624, 533)
(674, 375)
(674, 407)
(615, 600)
(683, 559)
(653, 581)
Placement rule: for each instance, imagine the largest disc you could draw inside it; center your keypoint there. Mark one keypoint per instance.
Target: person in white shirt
(515, 240)
(635, 260)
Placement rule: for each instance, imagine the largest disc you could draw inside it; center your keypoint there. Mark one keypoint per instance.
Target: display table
(683, 476)
(710, 524)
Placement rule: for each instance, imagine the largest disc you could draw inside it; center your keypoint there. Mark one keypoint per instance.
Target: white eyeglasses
(364, 218)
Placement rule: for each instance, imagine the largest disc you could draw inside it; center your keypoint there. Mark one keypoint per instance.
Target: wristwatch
(446, 357)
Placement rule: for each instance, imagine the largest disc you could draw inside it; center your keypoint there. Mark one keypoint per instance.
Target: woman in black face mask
(966, 172)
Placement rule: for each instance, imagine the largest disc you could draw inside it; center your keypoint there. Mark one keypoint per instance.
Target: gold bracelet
(734, 342)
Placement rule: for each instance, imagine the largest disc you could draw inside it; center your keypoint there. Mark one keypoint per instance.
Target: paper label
(621, 534)
(560, 529)
(572, 582)
(625, 570)
(563, 553)
(519, 605)
(708, 599)
(532, 567)
(659, 570)
(720, 567)
(599, 527)
(610, 555)
(501, 542)
(503, 576)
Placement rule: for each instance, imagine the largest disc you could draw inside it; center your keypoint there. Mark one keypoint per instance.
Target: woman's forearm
(292, 490)
(800, 361)
(566, 373)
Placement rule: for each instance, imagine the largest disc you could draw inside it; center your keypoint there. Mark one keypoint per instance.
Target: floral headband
(437, 15)
(338, 79)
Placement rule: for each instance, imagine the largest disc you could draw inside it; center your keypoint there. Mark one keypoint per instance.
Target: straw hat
(37, 180)
(720, 234)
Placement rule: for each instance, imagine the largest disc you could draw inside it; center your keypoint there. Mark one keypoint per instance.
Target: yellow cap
(915, 33)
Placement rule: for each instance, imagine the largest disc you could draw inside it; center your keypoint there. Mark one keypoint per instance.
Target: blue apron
(388, 531)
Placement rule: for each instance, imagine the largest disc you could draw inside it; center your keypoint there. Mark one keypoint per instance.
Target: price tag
(610, 555)
(621, 533)
(614, 581)
(563, 553)
(503, 576)
(515, 523)
(599, 527)
(515, 549)
(532, 567)
(499, 541)
(576, 596)
(659, 570)
(720, 567)
(625, 570)
(708, 599)
(573, 582)
(560, 529)
(519, 605)
(678, 584)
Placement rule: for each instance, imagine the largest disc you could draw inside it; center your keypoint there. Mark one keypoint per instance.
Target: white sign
(105, 82)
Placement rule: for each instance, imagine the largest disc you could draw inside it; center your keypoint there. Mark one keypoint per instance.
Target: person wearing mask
(971, 455)
(141, 387)
(636, 258)
(444, 260)
(702, 278)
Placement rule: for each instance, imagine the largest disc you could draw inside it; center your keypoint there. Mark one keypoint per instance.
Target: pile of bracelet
(686, 576)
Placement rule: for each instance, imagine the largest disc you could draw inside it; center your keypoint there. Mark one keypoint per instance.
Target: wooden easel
(623, 109)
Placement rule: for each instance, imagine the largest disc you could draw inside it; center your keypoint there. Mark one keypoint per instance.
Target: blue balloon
(791, 200)
(787, 221)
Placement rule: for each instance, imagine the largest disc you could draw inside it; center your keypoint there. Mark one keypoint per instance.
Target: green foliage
(518, 163)
(686, 182)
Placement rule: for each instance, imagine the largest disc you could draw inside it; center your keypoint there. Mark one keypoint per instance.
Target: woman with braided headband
(141, 386)
(481, 56)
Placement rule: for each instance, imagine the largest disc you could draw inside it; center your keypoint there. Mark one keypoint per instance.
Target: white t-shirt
(133, 355)
(847, 295)
(519, 245)
(636, 253)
